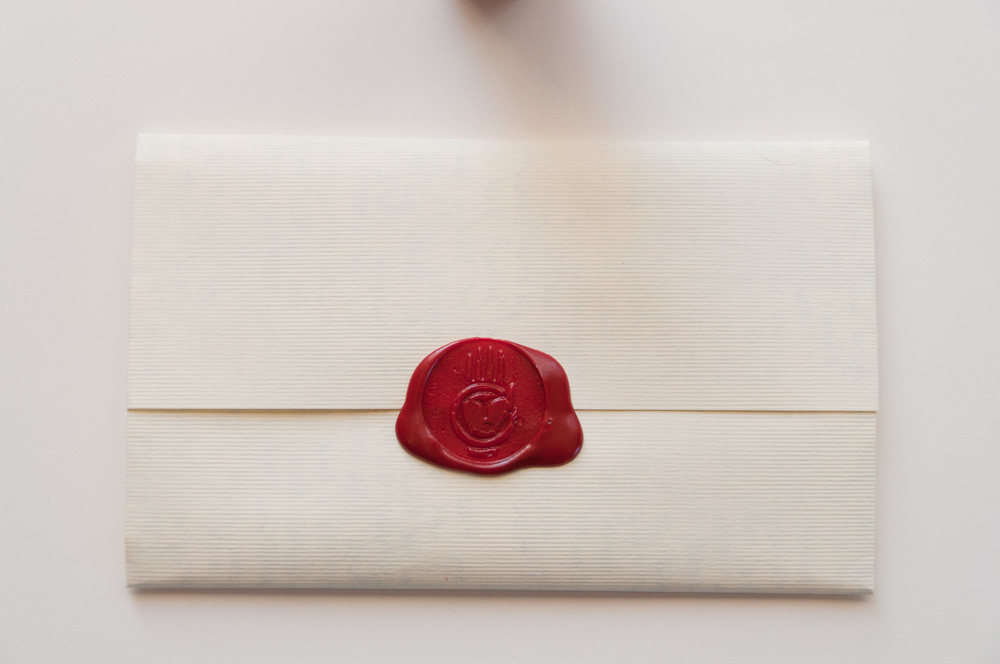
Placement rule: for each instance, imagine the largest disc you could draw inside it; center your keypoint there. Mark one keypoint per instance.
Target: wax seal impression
(489, 406)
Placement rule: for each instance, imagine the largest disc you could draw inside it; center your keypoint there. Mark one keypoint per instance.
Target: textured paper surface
(658, 501)
(316, 273)
(713, 304)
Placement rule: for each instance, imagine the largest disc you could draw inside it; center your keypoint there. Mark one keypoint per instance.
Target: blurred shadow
(490, 8)
(542, 60)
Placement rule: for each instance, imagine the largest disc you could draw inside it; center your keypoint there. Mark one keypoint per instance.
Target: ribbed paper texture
(316, 273)
(657, 501)
(713, 305)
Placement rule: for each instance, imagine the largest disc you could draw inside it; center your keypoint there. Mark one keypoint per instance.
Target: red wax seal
(489, 406)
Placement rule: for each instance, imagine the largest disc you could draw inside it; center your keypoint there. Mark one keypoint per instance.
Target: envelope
(713, 305)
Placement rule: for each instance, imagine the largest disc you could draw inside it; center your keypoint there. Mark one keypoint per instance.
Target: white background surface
(921, 80)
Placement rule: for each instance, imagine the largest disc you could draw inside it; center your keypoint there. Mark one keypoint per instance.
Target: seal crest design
(489, 406)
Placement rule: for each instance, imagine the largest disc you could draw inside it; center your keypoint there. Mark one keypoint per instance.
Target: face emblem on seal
(489, 406)
(482, 415)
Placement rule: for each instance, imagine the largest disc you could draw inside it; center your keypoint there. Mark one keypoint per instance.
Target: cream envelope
(712, 303)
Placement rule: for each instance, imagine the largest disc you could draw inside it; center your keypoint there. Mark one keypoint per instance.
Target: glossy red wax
(489, 406)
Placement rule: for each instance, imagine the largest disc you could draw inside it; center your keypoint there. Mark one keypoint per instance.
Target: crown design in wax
(486, 367)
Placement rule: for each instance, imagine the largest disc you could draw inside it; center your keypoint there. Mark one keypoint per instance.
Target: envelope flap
(315, 273)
